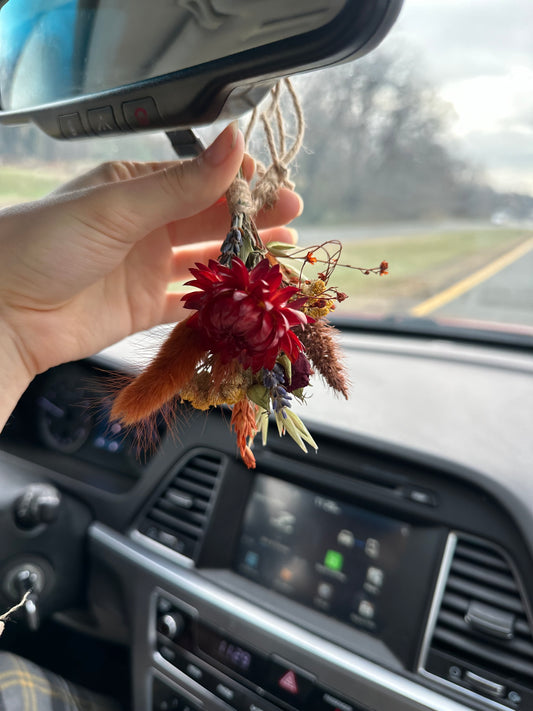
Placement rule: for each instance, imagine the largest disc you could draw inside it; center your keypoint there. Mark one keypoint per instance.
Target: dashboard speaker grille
(179, 515)
(482, 637)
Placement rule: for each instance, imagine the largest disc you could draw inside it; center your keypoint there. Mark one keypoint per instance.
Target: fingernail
(222, 146)
(294, 234)
(301, 207)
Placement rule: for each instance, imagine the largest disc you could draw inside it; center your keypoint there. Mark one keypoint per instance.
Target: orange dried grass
(161, 382)
(243, 421)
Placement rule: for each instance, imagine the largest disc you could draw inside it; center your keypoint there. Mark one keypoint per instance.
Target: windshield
(420, 155)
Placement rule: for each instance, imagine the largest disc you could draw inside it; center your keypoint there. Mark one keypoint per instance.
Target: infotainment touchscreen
(327, 554)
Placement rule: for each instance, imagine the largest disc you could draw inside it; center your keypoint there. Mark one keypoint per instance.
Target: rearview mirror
(81, 68)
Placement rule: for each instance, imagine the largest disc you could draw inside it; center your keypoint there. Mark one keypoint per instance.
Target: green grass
(19, 184)
(421, 264)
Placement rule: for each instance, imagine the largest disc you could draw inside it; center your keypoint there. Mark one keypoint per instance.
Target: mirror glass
(53, 50)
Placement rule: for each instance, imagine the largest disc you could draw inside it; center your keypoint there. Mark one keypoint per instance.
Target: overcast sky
(479, 54)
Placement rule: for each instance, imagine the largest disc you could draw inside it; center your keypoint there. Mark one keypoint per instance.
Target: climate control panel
(229, 673)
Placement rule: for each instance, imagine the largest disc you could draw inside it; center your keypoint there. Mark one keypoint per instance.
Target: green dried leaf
(279, 249)
(286, 364)
(260, 395)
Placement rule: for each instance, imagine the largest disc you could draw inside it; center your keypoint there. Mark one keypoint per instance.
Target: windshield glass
(419, 155)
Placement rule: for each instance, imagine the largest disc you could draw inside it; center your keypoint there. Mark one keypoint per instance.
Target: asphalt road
(505, 297)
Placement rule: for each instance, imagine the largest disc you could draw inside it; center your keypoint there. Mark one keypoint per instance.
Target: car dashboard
(390, 571)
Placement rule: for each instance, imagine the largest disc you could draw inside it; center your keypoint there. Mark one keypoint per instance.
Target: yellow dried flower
(318, 308)
(314, 288)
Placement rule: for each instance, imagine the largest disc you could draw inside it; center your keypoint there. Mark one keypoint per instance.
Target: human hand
(91, 264)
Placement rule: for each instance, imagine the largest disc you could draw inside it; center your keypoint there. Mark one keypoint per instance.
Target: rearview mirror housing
(80, 68)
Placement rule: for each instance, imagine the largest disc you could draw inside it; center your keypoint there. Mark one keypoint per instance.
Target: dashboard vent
(482, 637)
(179, 515)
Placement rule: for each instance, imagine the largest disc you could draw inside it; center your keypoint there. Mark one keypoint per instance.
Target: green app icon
(334, 560)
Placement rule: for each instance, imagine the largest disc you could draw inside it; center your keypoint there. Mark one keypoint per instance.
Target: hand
(91, 264)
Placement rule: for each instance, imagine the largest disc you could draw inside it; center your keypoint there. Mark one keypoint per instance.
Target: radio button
(194, 672)
(227, 693)
(328, 702)
(260, 705)
(167, 653)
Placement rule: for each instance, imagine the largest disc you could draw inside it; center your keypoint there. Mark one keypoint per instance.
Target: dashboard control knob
(38, 504)
(171, 624)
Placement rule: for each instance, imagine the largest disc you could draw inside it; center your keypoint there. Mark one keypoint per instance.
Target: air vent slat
(482, 624)
(455, 602)
(473, 590)
(514, 646)
(480, 555)
(510, 662)
(186, 500)
(204, 464)
(482, 575)
(193, 488)
(522, 628)
(197, 474)
(176, 524)
(183, 507)
(186, 514)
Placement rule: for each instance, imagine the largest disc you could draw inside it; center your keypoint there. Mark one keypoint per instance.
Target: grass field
(419, 265)
(19, 184)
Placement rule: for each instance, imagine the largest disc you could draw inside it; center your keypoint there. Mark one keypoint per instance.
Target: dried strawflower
(244, 314)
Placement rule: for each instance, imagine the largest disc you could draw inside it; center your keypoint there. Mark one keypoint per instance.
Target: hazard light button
(289, 683)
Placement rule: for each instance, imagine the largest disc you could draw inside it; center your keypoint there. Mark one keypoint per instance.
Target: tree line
(378, 147)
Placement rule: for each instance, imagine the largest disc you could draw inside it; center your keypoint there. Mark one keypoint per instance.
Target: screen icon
(346, 538)
(251, 559)
(325, 591)
(286, 574)
(334, 561)
(372, 548)
(375, 577)
(284, 522)
(366, 609)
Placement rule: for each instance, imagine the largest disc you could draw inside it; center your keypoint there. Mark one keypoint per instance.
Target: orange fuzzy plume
(243, 422)
(171, 370)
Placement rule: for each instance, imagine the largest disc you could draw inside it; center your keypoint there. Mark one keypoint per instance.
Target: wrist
(14, 374)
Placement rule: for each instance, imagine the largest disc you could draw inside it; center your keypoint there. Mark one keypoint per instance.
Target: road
(500, 292)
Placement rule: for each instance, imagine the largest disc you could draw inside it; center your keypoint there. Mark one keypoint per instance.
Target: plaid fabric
(26, 687)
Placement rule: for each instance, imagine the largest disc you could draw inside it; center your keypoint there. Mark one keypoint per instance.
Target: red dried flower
(301, 372)
(243, 314)
(310, 257)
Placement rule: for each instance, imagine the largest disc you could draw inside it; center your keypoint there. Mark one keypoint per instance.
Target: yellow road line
(453, 292)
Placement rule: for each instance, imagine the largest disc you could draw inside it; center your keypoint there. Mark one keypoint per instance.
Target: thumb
(131, 209)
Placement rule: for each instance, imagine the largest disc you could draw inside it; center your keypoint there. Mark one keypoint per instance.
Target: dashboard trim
(440, 586)
(367, 671)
